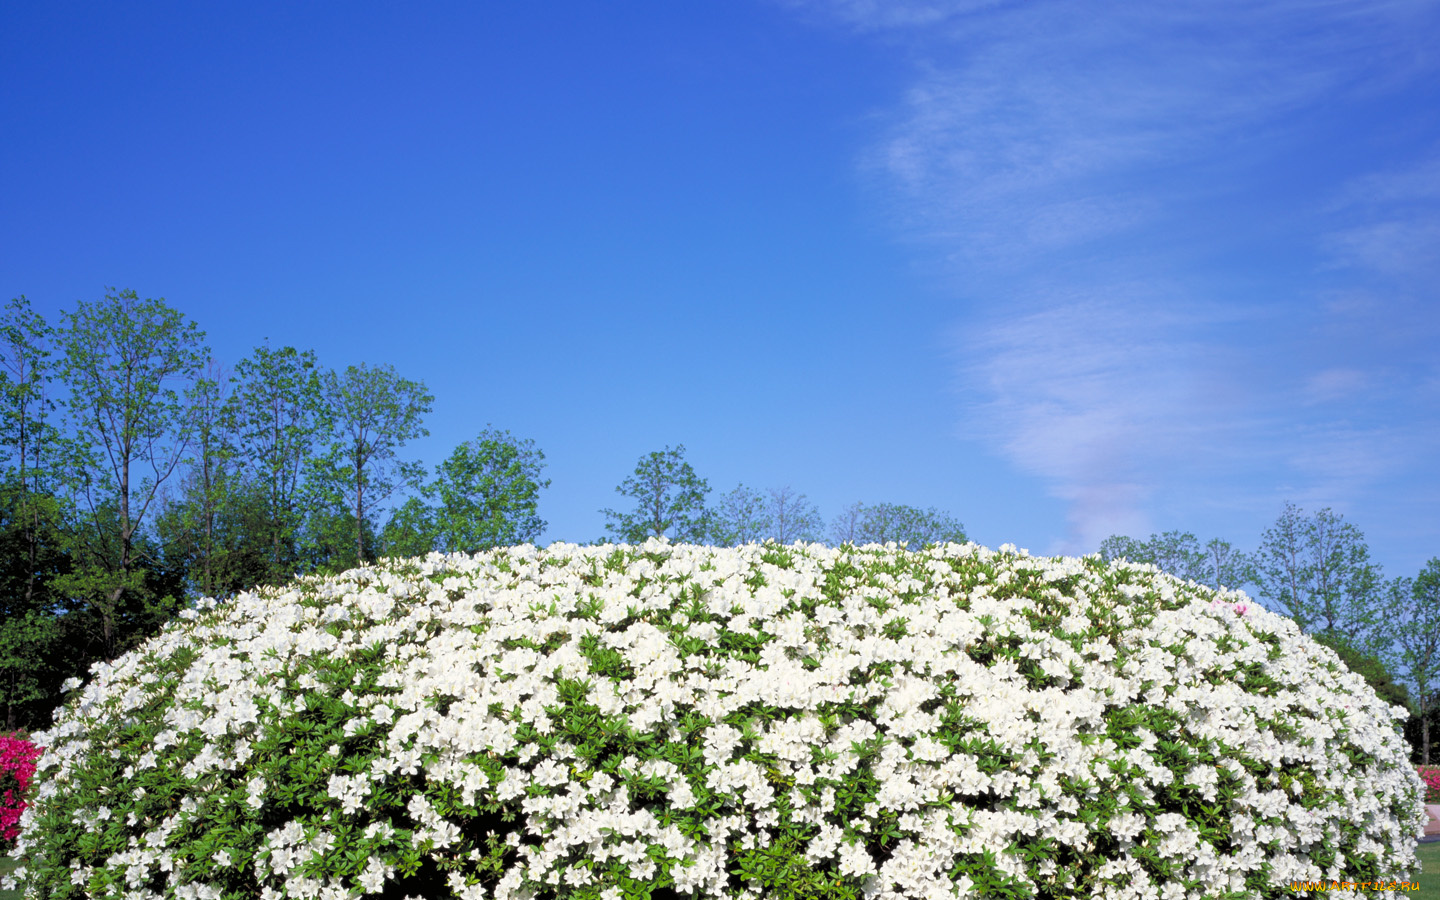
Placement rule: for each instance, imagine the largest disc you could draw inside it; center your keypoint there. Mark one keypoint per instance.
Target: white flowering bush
(764, 722)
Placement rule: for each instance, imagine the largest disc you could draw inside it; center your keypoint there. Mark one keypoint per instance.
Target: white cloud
(1140, 407)
(1106, 398)
(1329, 385)
(1406, 249)
(1418, 183)
(875, 15)
(1093, 123)
(1387, 224)
(1079, 166)
(1335, 458)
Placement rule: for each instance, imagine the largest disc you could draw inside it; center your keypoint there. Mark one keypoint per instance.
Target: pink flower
(1431, 776)
(17, 767)
(1239, 608)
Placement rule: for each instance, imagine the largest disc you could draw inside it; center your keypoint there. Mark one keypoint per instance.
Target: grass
(1429, 881)
(6, 865)
(1430, 872)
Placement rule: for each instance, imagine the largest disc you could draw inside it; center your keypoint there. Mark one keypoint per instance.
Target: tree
(1226, 567)
(154, 594)
(278, 412)
(670, 498)
(487, 492)
(1318, 571)
(209, 484)
(31, 641)
(741, 519)
(1419, 638)
(1121, 546)
(328, 544)
(885, 522)
(373, 413)
(215, 535)
(846, 527)
(1179, 553)
(31, 544)
(33, 447)
(410, 532)
(124, 359)
(1174, 552)
(792, 518)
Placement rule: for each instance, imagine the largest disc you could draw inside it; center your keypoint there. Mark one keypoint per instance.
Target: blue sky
(1059, 269)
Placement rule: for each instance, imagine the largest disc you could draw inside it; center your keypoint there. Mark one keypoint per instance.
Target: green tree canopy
(278, 412)
(1415, 604)
(1174, 552)
(34, 450)
(846, 527)
(670, 501)
(372, 413)
(410, 531)
(216, 535)
(885, 522)
(1317, 571)
(32, 555)
(741, 518)
(126, 361)
(1180, 553)
(792, 518)
(329, 546)
(33, 447)
(488, 493)
(198, 517)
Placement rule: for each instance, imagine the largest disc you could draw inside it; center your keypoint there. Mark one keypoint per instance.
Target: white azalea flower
(991, 726)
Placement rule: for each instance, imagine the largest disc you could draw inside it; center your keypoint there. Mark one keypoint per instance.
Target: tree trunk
(275, 515)
(359, 509)
(209, 527)
(1425, 736)
(107, 617)
(32, 540)
(31, 526)
(127, 532)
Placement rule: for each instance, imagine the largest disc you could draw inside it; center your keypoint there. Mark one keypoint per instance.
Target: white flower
(500, 634)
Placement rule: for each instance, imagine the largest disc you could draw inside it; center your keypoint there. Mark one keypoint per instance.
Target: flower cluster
(1431, 776)
(17, 766)
(865, 723)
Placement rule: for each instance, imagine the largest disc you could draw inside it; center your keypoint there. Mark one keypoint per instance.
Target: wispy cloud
(1112, 398)
(1093, 123)
(879, 15)
(1342, 384)
(1088, 172)
(1387, 224)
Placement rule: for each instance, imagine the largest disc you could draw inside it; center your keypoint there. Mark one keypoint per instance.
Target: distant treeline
(1317, 570)
(140, 475)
